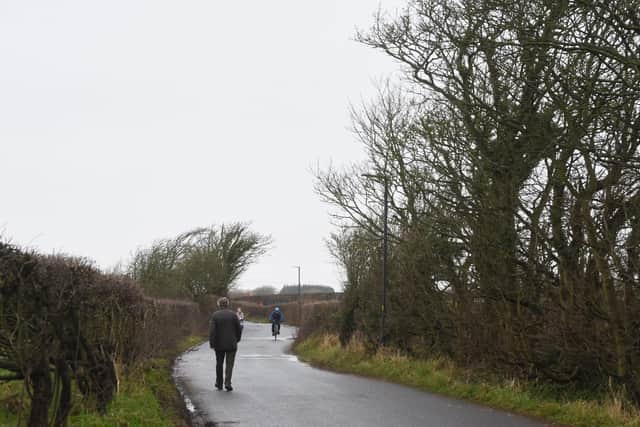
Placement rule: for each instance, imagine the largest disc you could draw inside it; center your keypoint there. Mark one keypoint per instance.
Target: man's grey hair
(223, 302)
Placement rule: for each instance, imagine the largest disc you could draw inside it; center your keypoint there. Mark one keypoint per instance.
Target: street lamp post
(299, 295)
(385, 249)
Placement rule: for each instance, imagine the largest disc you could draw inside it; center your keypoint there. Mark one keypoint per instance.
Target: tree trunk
(64, 403)
(41, 383)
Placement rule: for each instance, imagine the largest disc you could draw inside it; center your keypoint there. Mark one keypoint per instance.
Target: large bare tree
(511, 158)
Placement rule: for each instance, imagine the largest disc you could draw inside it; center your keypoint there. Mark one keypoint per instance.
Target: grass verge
(443, 377)
(147, 397)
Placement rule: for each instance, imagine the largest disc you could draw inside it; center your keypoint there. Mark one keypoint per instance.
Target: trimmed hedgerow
(63, 322)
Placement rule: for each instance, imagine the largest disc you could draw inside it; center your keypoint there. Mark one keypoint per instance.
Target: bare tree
(512, 161)
(203, 261)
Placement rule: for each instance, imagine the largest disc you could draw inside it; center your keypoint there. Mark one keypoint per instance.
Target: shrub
(62, 315)
(321, 316)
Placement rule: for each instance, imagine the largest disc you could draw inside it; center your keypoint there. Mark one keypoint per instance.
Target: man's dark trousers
(231, 358)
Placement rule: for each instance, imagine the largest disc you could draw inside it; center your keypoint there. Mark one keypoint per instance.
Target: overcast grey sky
(122, 122)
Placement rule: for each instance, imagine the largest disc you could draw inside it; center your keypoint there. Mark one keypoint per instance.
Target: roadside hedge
(63, 321)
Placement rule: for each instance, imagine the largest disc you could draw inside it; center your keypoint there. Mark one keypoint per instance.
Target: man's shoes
(228, 387)
(219, 386)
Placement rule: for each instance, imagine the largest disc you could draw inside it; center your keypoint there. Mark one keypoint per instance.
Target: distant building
(306, 289)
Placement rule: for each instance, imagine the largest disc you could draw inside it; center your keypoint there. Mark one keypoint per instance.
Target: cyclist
(276, 317)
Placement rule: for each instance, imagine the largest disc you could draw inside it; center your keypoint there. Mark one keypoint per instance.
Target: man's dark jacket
(224, 331)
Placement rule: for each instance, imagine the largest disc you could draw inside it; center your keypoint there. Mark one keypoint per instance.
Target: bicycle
(275, 330)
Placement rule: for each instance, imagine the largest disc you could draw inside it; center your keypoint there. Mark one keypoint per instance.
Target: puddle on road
(196, 418)
(177, 380)
(288, 357)
(189, 404)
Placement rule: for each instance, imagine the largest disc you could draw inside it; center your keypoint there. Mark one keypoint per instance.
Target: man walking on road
(224, 333)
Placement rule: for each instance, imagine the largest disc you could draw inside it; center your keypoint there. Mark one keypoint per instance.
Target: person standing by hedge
(224, 334)
(240, 316)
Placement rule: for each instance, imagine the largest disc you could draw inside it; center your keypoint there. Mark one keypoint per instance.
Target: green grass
(138, 405)
(147, 397)
(12, 400)
(443, 377)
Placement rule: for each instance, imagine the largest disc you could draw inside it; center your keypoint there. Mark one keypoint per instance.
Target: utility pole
(299, 296)
(385, 248)
(385, 251)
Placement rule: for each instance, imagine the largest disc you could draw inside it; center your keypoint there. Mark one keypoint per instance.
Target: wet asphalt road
(273, 388)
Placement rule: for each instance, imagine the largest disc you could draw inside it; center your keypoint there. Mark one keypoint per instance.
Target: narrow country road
(273, 388)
